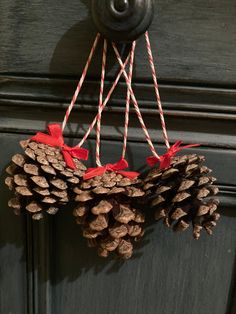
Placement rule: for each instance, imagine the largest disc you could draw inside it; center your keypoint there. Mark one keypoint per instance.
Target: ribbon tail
(152, 161)
(79, 153)
(190, 146)
(176, 147)
(129, 174)
(165, 161)
(177, 144)
(120, 165)
(68, 159)
(45, 139)
(93, 172)
(55, 130)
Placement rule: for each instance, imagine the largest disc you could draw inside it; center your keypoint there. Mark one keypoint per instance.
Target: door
(45, 266)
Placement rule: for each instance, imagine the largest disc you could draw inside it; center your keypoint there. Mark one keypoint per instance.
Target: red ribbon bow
(117, 167)
(55, 138)
(165, 159)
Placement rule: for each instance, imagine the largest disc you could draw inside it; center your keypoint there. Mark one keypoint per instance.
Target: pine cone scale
(110, 217)
(180, 195)
(40, 178)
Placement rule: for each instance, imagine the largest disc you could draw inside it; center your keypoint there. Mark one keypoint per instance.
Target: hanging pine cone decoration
(40, 179)
(104, 210)
(181, 195)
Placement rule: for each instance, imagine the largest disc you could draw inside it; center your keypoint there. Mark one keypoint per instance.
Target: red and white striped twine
(127, 107)
(81, 81)
(105, 101)
(130, 94)
(98, 131)
(136, 106)
(154, 76)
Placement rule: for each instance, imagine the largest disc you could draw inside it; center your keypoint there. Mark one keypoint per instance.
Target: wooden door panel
(192, 41)
(45, 267)
(171, 273)
(14, 279)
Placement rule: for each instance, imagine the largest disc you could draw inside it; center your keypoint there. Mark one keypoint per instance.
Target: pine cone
(180, 195)
(105, 211)
(40, 179)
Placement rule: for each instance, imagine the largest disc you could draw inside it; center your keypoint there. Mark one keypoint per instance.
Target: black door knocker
(122, 20)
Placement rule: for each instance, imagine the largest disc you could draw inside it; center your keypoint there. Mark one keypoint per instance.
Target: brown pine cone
(181, 195)
(40, 179)
(105, 210)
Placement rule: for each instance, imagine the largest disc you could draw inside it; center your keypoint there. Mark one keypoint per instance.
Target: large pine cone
(40, 179)
(105, 211)
(180, 195)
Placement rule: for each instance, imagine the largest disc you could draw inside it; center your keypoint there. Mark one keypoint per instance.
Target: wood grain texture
(45, 267)
(212, 134)
(192, 40)
(57, 92)
(67, 275)
(14, 280)
(193, 114)
(170, 273)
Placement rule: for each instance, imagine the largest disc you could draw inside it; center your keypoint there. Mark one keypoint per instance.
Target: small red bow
(117, 167)
(55, 138)
(165, 159)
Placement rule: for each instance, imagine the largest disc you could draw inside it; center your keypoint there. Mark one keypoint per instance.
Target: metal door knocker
(122, 20)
